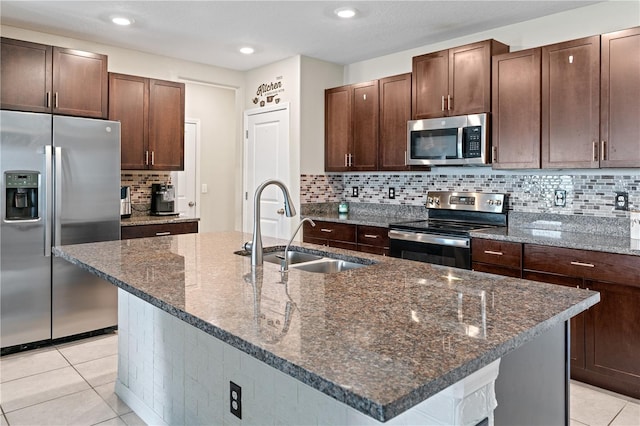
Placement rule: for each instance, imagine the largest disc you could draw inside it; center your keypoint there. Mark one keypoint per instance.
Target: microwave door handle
(460, 132)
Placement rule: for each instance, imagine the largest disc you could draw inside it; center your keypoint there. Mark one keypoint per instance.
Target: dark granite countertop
(562, 238)
(598, 234)
(155, 220)
(380, 339)
(355, 219)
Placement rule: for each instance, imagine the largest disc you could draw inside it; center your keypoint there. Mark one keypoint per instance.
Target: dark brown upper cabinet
(516, 110)
(351, 127)
(455, 81)
(49, 79)
(151, 113)
(571, 104)
(395, 111)
(620, 99)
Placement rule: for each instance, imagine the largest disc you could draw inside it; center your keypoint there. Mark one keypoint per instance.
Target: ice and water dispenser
(21, 192)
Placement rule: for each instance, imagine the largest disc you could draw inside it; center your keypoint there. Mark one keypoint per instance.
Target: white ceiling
(211, 32)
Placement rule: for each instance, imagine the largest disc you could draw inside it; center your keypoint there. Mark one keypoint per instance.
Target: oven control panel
(473, 201)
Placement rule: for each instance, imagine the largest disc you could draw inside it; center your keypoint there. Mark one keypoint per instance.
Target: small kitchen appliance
(449, 141)
(444, 238)
(125, 202)
(162, 200)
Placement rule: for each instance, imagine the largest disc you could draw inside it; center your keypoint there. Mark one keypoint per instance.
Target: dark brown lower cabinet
(368, 239)
(158, 230)
(605, 340)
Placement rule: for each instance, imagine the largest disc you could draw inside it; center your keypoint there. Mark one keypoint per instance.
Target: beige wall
(586, 21)
(315, 77)
(214, 107)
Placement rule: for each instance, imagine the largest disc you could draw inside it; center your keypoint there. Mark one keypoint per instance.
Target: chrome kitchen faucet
(289, 210)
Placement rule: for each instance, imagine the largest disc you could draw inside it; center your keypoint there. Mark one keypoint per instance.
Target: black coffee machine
(162, 200)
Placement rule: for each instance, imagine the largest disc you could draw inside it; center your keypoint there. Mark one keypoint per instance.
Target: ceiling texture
(211, 32)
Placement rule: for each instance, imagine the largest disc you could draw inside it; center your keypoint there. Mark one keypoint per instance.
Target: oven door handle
(418, 237)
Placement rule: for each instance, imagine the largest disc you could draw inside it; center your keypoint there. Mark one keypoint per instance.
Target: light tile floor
(73, 384)
(67, 384)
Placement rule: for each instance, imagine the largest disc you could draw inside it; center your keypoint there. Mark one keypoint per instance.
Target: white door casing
(266, 156)
(187, 182)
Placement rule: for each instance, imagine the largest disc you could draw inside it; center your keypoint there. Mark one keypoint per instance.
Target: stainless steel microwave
(449, 141)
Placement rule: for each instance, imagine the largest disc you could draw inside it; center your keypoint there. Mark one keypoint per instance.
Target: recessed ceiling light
(121, 20)
(247, 50)
(345, 12)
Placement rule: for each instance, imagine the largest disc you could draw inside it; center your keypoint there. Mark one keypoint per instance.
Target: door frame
(197, 122)
(247, 197)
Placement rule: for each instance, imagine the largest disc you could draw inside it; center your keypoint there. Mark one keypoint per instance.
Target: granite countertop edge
(155, 220)
(363, 404)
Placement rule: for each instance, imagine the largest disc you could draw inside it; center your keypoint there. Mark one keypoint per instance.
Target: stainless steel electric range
(444, 237)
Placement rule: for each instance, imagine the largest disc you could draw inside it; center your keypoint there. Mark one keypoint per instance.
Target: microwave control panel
(472, 142)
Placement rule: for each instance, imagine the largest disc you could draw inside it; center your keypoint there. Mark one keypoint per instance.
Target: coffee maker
(162, 199)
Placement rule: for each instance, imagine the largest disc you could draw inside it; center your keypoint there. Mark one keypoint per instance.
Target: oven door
(430, 248)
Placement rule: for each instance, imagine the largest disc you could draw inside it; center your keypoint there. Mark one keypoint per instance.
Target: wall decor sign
(269, 93)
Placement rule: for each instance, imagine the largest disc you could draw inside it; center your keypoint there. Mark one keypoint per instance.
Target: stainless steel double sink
(310, 262)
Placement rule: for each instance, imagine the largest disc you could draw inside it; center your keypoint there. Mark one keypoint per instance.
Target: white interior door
(267, 157)
(185, 182)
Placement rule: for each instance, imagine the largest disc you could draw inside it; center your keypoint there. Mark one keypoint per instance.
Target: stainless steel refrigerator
(60, 185)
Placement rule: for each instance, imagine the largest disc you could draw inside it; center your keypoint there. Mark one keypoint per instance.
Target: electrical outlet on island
(354, 191)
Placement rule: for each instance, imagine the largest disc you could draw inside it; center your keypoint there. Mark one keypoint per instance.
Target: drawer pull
(497, 253)
(588, 265)
(160, 234)
(326, 230)
(370, 236)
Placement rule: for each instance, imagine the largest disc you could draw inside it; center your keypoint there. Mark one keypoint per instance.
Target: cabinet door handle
(442, 105)
(346, 161)
(160, 234)
(280, 211)
(497, 253)
(588, 265)
(595, 150)
(494, 152)
(153, 158)
(48, 99)
(603, 154)
(370, 236)
(146, 158)
(326, 230)
(405, 158)
(448, 102)
(55, 100)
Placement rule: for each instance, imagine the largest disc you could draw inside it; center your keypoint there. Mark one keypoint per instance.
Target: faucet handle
(248, 246)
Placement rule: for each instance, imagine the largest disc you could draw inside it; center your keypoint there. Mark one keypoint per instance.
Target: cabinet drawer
(502, 253)
(156, 230)
(593, 265)
(331, 231)
(373, 236)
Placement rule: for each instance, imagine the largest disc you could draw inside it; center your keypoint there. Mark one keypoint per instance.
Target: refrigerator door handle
(58, 196)
(48, 204)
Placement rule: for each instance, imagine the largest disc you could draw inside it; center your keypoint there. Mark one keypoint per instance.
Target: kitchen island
(379, 340)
